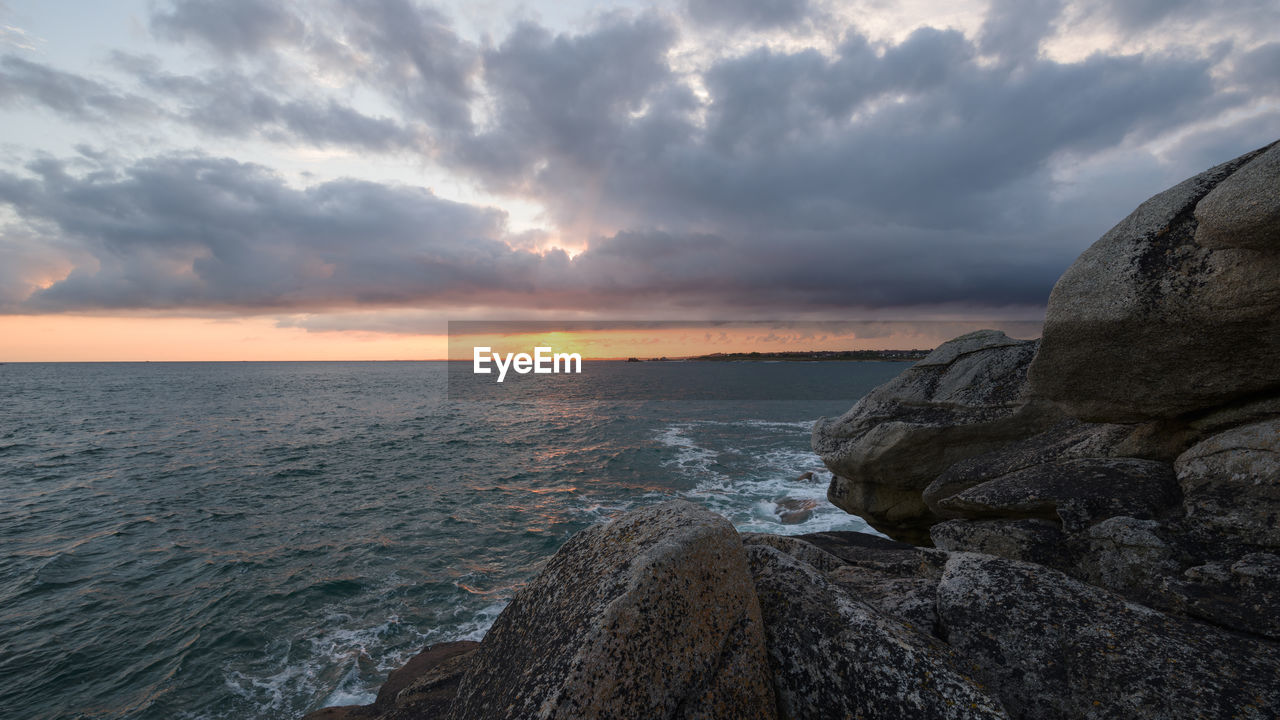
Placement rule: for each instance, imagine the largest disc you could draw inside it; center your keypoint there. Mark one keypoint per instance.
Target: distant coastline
(818, 356)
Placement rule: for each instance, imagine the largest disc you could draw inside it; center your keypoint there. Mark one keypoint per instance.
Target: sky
(338, 179)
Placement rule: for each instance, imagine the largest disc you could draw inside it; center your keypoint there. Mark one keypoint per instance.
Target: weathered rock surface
(1243, 211)
(966, 398)
(1032, 641)
(1030, 540)
(894, 578)
(1150, 323)
(1231, 483)
(1054, 647)
(653, 615)
(424, 687)
(1077, 492)
(835, 657)
(1067, 440)
(1244, 595)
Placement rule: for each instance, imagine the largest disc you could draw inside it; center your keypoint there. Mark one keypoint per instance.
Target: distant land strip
(812, 356)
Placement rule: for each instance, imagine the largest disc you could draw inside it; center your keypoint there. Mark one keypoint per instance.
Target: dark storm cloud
(759, 14)
(193, 232)
(74, 96)
(184, 232)
(918, 134)
(228, 27)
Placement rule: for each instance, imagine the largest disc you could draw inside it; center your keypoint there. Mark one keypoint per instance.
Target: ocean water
(257, 540)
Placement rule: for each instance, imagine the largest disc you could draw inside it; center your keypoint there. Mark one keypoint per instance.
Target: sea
(258, 540)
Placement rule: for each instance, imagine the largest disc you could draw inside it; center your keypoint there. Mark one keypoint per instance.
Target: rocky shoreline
(1085, 526)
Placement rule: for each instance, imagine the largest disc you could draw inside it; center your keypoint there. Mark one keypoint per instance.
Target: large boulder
(1159, 320)
(653, 615)
(966, 398)
(1231, 484)
(834, 656)
(1054, 647)
(1243, 211)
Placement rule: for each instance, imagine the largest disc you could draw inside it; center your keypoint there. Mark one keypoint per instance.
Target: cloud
(407, 52)
(212, 234)
(1257, 69)
(1013, 29)
(758, 14)
(919, 134)
(227, 103)
(228, 27)
(1138, 15)
(71, 95)
(199, 232)
(562, 98)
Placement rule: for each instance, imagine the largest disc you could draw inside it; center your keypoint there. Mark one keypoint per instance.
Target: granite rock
(1231, 483)
(966, 398)
(1243, 211)
(424, 687)
(833, 656)
(1054, 647)
(1077, 492)
(1030, 540)
(653, 615)
(1148, 323)
(1243, 595)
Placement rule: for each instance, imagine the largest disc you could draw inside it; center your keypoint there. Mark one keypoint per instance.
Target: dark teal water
(256, 540)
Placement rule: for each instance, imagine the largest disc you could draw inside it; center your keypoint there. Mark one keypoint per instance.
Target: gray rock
(1068, 440)
(1231, 483)
(1065, 440)
(423, 687)
(1128, 556)
(805, 552)
(1243, 211)
(653, 615)
(1147, 323)
(1029, 540)
(1078, 493)
(966, 398)
(793, 511)
(894, 578)
(1054, 647)
(833, 656)
(900, 513)
(1242, 413)
(1243, 596)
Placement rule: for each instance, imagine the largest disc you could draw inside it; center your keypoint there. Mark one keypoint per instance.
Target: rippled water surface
(256, 540)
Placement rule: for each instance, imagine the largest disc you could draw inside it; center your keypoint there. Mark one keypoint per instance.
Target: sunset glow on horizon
(69, 338)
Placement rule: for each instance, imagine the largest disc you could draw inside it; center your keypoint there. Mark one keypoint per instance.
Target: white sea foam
(749, 496)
